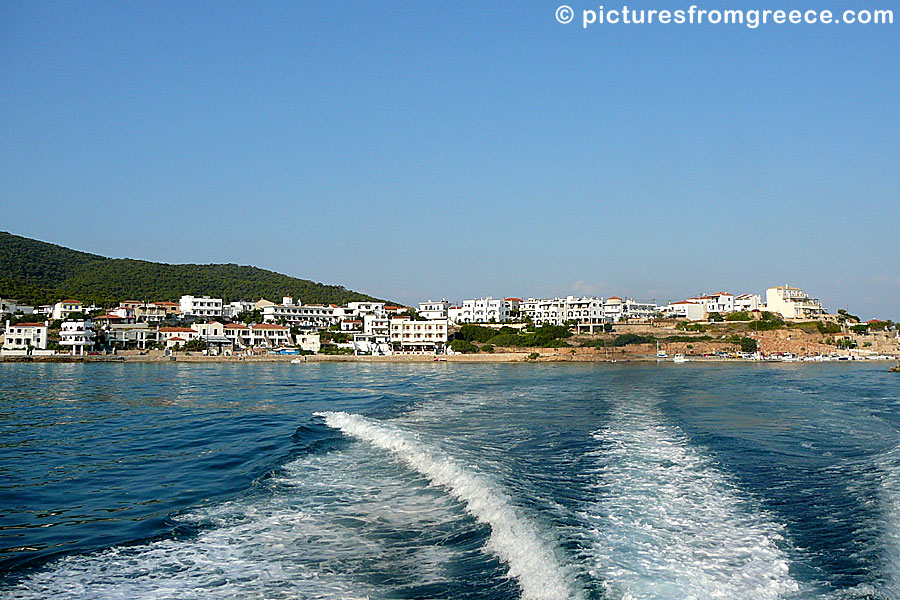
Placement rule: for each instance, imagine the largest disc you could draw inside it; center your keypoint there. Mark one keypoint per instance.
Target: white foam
(513, 539)
(888, 465)
(669, 524)
(311, 533)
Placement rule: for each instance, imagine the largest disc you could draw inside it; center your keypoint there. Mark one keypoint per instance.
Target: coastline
(498, 357)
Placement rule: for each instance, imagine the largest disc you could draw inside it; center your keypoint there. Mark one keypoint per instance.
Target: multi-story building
(62, 310)
(793, 303)
(375, 325)
(258, 335)
(77, 334)
(433, 311)
(691, 309)
(25, 336)
(194, 306)
(308, 342)
(748, 302)
(479, 310)
(359, 309)
(513, 307)
(175, 336)
(615, 309)
(408, 336)
(129, 335)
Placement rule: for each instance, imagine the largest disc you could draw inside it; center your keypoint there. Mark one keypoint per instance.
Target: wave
(513, 539)
(669, 524)
(888, 475)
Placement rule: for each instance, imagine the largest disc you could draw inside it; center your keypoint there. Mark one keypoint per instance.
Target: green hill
(41, 273)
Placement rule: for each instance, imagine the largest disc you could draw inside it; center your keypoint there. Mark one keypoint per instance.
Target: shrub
(825, 328)
(476, 333)
(748, 345)
(487, 348)
(463, 346)
(741, 315)
(534, 356)
(627, 339)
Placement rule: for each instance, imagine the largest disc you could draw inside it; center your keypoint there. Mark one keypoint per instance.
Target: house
(692, 310)
(351, 325)
(264, 335)
(168, 335)
(748, 303)
(110, 318)
(408, 336)
(376, 325)
(479, 310)
(24, 337)
(62, 310)
(308, 342)
(360, 309)
(193, 306)
(78, 334)
(793, 303)
(513, 307)
(433, 311)
(128, 335)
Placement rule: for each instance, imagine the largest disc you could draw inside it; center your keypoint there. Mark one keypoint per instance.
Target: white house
(308, 342)
(194, 306)
(263, 335)
(692, 310)
(62, 310)
(25, 337)
(360, 309)
(375, 325)
(793, 303)
(615, 309)
(175, 336)
(513, 307)
(433, 311)
(748, 303)
(77, 334)
(408, 336)
(129, 335)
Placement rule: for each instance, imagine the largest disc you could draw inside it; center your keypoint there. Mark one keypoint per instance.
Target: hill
(40, 273)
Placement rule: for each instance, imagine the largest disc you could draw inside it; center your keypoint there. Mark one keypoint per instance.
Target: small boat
(660, 353)
(679, 358)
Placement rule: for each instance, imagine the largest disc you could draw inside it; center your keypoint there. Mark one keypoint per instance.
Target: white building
(175, 336)
(263, 335)
(513, 307)
(615, 309)
(77, 334)
(434, 311)
(194, 306)
(691, 310)
(309, 342)
(360, 309)
(134, 335)
(748, 303)
(233, 309)
(479, 310)
(793, 303)
(375, 325)
(408, 336)
(309, 316)
(11, 307)
(62, 310)
(25, 337)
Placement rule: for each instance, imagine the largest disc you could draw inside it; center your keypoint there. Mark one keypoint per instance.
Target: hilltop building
(793, 303)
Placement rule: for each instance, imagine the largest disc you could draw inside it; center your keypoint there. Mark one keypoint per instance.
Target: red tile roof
(513, 299)
(236, 326)
(269, 326)
(29, 325)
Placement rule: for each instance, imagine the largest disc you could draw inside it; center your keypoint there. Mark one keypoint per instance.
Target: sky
(416, 150)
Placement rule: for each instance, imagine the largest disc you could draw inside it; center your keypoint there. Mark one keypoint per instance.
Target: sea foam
(513, 539)
(669, 524)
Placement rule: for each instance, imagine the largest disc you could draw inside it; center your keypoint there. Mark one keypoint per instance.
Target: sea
(450, 481)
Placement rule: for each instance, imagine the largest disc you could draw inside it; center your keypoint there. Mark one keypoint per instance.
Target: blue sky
(423, 149)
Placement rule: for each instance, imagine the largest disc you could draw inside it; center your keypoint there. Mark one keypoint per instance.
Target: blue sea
(455, 481)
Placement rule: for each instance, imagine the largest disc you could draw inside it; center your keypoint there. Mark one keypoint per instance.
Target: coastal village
(784, 324)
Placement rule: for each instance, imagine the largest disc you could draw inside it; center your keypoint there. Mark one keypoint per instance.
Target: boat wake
(513, 539)
(669, 524)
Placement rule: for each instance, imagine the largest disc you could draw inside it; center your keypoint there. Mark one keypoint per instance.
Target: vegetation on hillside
(41, 273)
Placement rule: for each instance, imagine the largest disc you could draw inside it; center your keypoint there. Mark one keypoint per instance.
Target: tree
(748, 345)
